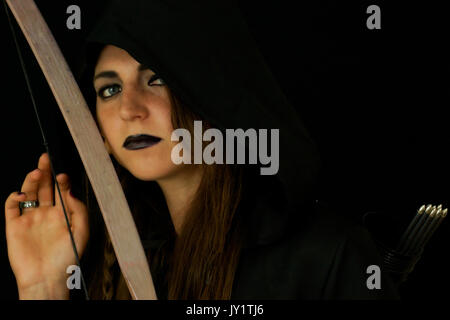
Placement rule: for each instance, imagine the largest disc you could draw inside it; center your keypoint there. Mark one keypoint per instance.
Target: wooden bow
(97, 163)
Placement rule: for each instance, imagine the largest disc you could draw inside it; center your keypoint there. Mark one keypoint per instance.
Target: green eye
(109, 91)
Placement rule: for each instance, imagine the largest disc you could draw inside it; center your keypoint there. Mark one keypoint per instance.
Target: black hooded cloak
(294, 248)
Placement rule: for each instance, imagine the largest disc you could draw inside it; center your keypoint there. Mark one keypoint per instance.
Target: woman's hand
(39, 245)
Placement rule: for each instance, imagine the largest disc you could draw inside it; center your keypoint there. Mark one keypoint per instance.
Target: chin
(155, 173)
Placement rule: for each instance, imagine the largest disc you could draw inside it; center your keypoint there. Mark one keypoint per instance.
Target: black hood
(205, 53)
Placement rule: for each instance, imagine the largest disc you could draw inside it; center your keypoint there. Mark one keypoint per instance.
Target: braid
(108, 271)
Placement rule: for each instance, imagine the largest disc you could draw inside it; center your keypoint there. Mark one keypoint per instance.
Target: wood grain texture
(97, 163)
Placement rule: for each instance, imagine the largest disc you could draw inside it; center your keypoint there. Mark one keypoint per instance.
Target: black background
(373, 100)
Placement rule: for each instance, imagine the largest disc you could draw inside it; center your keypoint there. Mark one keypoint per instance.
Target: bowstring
(46, 145)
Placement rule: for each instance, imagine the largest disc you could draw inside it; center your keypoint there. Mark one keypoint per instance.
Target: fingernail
(20, 193)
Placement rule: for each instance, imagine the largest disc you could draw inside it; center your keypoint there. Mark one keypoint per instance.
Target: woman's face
(134, 114)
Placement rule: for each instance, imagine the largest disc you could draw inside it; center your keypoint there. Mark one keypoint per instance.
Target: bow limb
(97, 163)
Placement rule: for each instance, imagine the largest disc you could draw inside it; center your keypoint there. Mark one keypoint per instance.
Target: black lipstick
(140, 141)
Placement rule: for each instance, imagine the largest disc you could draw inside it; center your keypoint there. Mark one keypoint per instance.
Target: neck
(179, 191)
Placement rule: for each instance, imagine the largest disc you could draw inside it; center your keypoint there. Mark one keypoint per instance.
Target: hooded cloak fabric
(294, 248)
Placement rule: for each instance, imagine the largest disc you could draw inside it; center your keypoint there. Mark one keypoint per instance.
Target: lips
(140, 141)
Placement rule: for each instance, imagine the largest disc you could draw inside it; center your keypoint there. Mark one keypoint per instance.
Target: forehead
(112, 56)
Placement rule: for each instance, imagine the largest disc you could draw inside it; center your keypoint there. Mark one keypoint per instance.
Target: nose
(133, 105)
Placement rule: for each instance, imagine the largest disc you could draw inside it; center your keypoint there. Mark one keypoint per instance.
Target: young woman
(211, 231)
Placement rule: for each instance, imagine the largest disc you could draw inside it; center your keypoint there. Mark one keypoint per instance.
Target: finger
(45, 191)
(79, 217)
(77, 209)
(64, 186)
(12, 209)
(31, 184)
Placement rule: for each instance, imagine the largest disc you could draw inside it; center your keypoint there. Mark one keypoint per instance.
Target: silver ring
(28, 204)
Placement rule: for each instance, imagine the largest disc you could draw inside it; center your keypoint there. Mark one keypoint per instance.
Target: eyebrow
(113, 74)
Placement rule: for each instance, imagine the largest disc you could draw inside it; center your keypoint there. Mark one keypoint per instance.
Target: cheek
(100, 116)
(167, 115)
(107, 126)
(163, 112)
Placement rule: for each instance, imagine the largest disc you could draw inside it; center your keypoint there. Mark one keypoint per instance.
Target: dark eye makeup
(110, 90)
(155, 78)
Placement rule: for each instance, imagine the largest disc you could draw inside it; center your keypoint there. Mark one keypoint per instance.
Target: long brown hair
(201, 261)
